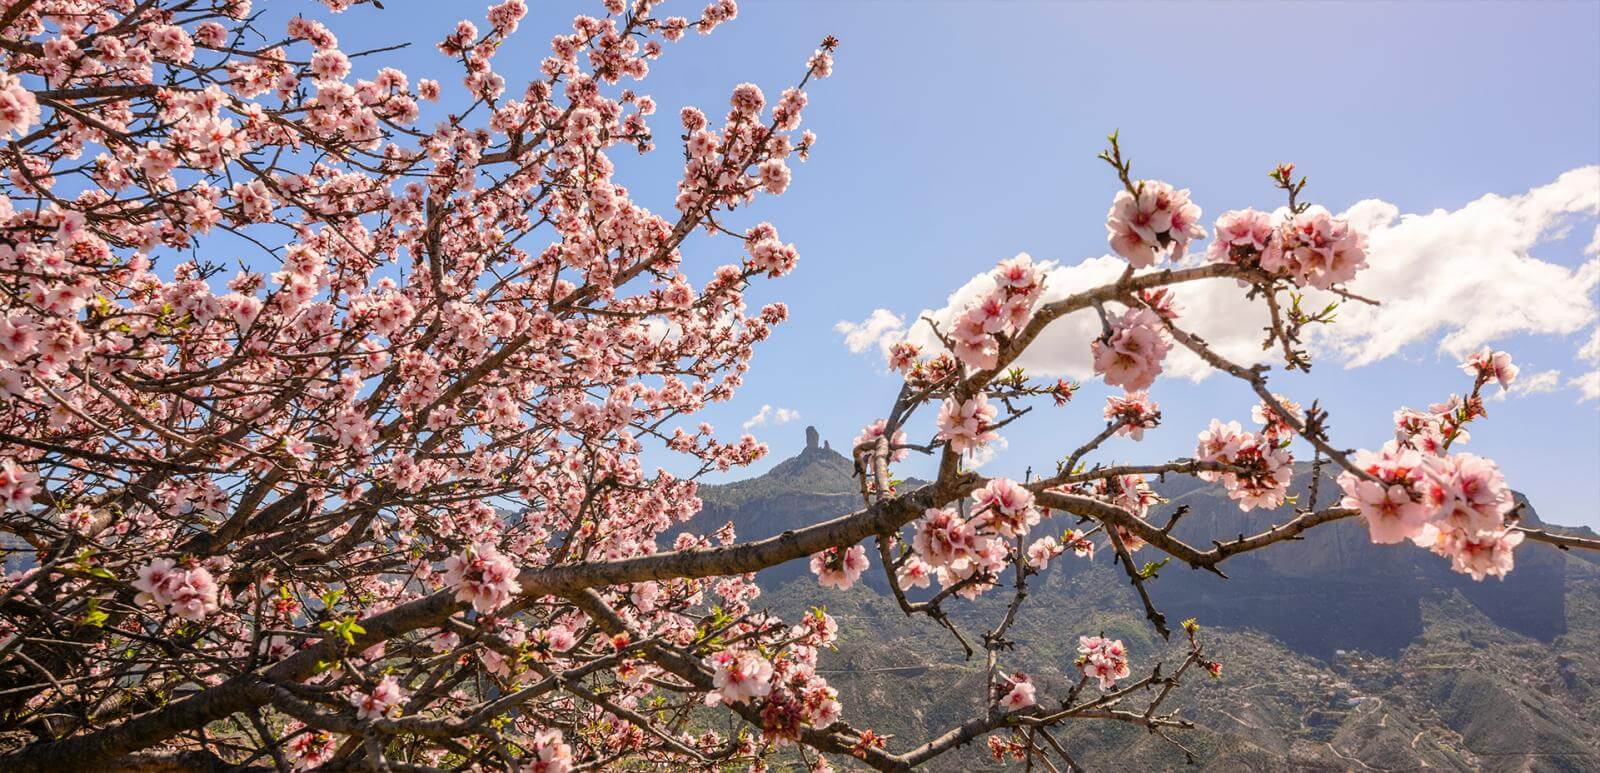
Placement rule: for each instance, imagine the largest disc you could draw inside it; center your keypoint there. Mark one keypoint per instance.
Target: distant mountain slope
(1335, 589)
(1464, 695)
(1339, 654)
(1361, 596)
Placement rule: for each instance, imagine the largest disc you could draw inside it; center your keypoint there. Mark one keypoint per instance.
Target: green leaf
(95, 618)
(346, 628)
(1151, 567)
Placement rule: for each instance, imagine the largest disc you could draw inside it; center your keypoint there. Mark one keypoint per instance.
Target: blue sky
(953, 135)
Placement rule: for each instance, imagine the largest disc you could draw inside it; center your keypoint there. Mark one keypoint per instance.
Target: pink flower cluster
(836, 568)
(1078, 542)
(1158, 221)
(1432, 431)
(19, 110)
(1489, 365)
(550, 753)
(1129, 492)
(804, 699)
(1017, 692)
(769, 255)
(1004, 507)
(1476, 554)
(1004, 310)
(1267, 464)
(1135, 412)
(1130, 356)
(1455, 505)
(953, 548)
(188, 593)
(384, 698)
(967, 425)
(914, 573)
(18, 485)
(943, 538)
(1042, 550)
(902, 356)
(1103, 659)
(1246, 237)
(818, 628)
(482, 576)
(867, 441)
(1276, 426)
(737, 677)
(1392, 505)
(1312, 248)
(956, 549)
(308, 748)
(1320, 251)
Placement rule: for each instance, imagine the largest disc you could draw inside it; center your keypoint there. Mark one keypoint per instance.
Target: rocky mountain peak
(816, 468)
(811, 441)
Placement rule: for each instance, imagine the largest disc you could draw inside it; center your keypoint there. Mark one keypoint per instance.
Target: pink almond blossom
(836, 568)
(1158, 222)
(1006, 507)
(1131, 355)
(1020, 695)
(737, 677)
(1489, 365)
(482, 576)
(1103, 659)
(385, 697)
(1135, 412)
(967, 425)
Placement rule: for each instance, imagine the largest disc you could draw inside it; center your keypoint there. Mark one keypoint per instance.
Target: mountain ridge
(1339, 654)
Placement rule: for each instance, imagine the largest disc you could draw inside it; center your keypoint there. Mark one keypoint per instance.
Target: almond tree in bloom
(322, 433)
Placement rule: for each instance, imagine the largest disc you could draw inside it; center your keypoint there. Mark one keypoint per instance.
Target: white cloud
(880, 329)
(1588, 384)
(1527, 383)
(1591, 351)
(773, 416)
(1469, 275)
(1463, 277)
